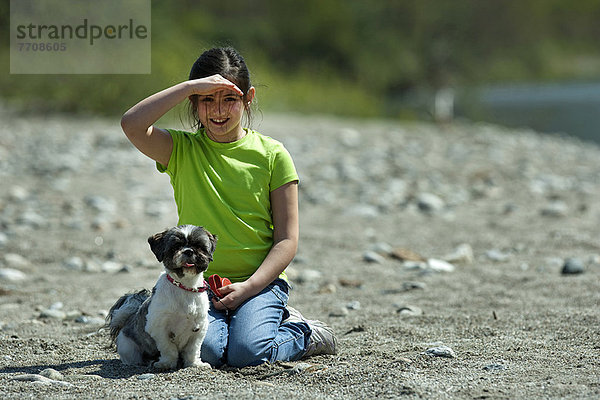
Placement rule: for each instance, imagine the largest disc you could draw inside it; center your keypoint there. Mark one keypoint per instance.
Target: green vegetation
(347, 57)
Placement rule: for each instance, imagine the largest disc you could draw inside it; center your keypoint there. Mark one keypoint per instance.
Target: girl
(243, 187)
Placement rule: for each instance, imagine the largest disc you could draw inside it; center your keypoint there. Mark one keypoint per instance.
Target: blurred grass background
(344, 57)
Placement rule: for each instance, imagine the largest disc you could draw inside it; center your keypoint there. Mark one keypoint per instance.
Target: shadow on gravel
(109, 369)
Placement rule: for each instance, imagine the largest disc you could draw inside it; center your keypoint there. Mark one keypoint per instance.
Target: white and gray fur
(166, 327)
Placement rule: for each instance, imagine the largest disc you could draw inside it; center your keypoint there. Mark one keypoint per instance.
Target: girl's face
(221, 114)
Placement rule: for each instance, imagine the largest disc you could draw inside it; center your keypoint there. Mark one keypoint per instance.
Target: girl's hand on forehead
(212, 84)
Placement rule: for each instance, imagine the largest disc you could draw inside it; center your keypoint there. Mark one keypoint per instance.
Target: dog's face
(185, 249)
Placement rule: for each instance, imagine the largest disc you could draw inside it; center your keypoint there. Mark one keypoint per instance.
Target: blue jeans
(253, 333)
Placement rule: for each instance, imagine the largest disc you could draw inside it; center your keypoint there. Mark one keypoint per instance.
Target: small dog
(168, 324)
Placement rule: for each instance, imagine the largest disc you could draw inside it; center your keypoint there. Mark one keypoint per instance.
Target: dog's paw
(197, 363)
(164, 365)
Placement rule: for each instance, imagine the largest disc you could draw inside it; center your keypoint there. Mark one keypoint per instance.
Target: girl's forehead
(222, 92)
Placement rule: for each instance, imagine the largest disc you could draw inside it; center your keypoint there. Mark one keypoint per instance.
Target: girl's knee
(246, 354)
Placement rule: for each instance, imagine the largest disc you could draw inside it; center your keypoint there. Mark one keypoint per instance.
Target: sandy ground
(77, 203)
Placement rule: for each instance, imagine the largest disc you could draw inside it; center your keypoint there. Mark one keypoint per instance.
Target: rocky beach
(453, 261)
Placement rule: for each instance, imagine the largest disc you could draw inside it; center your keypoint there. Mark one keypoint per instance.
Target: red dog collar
(181, 286)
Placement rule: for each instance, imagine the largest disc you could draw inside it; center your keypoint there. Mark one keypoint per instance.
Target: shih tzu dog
(166, 327)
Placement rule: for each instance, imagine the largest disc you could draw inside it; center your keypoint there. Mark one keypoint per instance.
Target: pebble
(146, 377)
(497, 255)
(32, 219)
(100, 204)
(308, 275)
(409, 311)
(18, 193)
(302, 366)
(430, 203)
(3, 239)
(72, 315)
(440, 351)
(307, 367)
(350, 137)
(14, 260)
(439, 265)
(291, 368)
(84, 319)
(557, 209)
(101, 223)
(572, 266)
(74, 264)
(52, 374)
(111, 267)
(328, 288)
(373, 257)
(403, 360)
(351, 283)
(381, 248)
(353, 305)
(53, 314)
(494, 367)
(403, 254)
(339, 312)
(11, 275)
(463, 254)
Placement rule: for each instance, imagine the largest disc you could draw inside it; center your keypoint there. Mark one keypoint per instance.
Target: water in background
(569, 108)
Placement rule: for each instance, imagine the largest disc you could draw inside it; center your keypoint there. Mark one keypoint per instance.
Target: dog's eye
(196, 245)
(199, 245)
(178, 242)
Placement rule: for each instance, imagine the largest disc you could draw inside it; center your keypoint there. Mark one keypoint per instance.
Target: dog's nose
(188, 252)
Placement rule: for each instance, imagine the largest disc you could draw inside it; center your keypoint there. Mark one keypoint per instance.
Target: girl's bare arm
(284, 204)
(137, 122)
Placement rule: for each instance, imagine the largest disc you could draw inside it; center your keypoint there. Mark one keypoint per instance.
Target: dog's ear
(158, 245)
(213, 242)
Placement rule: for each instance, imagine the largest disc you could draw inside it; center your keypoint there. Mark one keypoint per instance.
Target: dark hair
(228, 63)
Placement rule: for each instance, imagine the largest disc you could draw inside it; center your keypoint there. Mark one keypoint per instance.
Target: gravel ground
(456, 261)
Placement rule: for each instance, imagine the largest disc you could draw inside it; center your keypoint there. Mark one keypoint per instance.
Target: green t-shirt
(225, 187)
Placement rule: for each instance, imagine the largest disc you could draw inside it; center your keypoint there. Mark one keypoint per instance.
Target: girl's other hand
(211, 84)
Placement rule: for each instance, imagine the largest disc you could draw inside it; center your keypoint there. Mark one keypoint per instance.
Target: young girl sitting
(243, 187)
